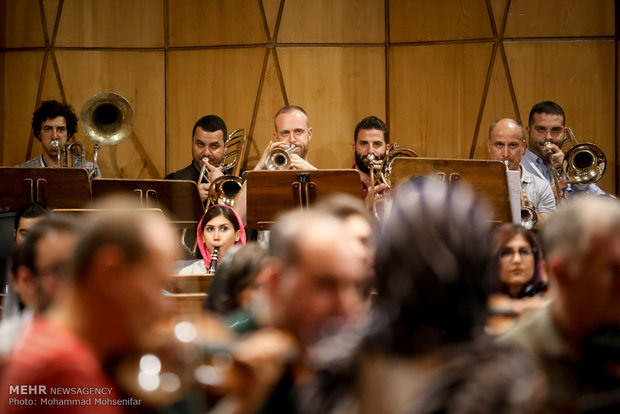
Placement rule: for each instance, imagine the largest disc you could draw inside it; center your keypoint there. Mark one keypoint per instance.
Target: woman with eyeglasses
(519, 258)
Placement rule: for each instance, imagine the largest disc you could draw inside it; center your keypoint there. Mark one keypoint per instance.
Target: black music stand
(54, 187)
(272, 192)
(486, 178)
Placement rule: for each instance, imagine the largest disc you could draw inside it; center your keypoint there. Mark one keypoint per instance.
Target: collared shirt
(38, 162)
(538, 192)
(535, 165)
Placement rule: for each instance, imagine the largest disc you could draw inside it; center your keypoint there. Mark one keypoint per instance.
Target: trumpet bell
(386, 170)
(584, 164)
(529, 217)
(278, 159)
(224, 190)
(107, 119)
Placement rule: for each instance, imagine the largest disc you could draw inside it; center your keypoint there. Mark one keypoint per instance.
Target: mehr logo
(27, 389)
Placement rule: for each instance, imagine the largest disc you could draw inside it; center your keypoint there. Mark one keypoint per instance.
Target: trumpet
(529, 215)
(279, 159)
(373, 195)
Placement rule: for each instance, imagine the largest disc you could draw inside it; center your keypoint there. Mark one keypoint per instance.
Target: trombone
(583, 164)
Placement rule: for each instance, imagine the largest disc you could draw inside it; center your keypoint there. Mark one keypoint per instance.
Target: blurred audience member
(235, 283)
(575, 339)
(40, 270)
(123, 261)
(424, 350)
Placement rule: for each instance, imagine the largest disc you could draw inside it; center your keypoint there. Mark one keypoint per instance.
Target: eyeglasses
(509, 254)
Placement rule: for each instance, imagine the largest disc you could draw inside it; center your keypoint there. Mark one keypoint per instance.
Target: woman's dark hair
(216, 211)
(502, 235)
(434, 270)
(237, 271)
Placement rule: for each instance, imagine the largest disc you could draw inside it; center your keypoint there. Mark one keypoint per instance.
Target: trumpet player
(293, 134)
(371, 137)
(53, 124)
(208, 144)
(547, 132)
(507, 143)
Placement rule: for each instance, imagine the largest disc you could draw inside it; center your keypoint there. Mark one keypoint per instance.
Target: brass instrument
(107, 120)
(203, 170)
(68, 156)
(224, 189)
(395, 152)
(373, 195)
(529, 215)
(279, 159)
(583, 164)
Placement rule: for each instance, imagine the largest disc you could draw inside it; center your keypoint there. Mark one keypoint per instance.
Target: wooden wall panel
(337, 87)
(577, 75)
(111, 23)
(416, 21)
(21, 24)
(330, 21)
(21, 72)
(198, 87)
(497, 105)
(560, 18)
(435, 93)
(139, 77)
(271, 100)
(215, 22)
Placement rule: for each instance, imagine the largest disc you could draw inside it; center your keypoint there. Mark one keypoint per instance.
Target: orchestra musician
(507, 143)
(547, 124)
(371, 136)
(53, 124)
(208, 143)
(292, 132)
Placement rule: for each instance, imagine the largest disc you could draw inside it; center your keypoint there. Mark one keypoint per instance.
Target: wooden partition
(438, 72)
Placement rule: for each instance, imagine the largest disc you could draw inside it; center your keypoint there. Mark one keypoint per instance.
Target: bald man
(507, 143)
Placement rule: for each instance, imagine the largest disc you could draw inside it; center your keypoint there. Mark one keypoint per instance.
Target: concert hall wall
(437, 71)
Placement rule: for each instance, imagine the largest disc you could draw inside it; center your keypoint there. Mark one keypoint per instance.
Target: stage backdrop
(439, 72)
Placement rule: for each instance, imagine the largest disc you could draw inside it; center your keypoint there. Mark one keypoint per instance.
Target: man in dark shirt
(208, 140)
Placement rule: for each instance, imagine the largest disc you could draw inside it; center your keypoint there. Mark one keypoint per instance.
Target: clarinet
(213, 264)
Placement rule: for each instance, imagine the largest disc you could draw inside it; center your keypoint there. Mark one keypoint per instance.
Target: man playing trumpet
(292, 134)
(507, 143)
(208, 144)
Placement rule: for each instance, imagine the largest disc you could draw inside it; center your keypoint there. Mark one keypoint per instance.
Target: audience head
(434, 269)
(519, 256)
(46, 257)
(123, 262)
(582, 249)
(316, 280)
(26, 217)
(236, 280)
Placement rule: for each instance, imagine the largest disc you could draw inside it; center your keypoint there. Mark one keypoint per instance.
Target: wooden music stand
(178, 198)
(54, 187)
(272, 192)
(487, 179)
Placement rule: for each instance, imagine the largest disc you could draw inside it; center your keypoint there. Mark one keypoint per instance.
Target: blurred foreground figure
(123, 260)
(576, 339)
(423, 350)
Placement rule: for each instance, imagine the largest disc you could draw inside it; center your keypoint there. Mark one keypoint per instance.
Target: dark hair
(217, 211)
(288, 109)
(211, 123)
(31, 210)
(237, 271)
(50, 110)
(372, 122)
(434, 270)
(546, 107)
(51, 223)
(506, 232)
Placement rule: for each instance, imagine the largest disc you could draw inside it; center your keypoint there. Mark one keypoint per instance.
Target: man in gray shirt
(53, 124)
